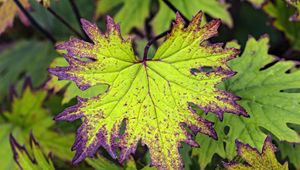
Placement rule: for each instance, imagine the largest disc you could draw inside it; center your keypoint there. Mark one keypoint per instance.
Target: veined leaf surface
(150, 97)
(263, 92)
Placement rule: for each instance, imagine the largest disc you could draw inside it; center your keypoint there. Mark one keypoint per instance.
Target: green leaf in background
(64, 9)
(290, 151)
(262, 95)
(128, 18)
(27, 115)
(264, 160)
(71, 90)
(188, 8)
(281, 14)
(24, 59)
(132, 13)
(33, 159)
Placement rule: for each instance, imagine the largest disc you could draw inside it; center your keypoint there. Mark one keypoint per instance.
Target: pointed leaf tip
(255, 159)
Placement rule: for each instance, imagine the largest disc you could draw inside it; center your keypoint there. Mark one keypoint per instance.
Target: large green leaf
(261, 91)
(35, 161)
(150, 96)
(256, 160)
(27, 115)
(281, 14)
(188, 8)
(24, 59)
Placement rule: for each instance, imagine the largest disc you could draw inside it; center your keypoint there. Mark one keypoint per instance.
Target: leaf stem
(78, 17)
(63, 21)
(175, 10)
(34, 22)
(147, 47)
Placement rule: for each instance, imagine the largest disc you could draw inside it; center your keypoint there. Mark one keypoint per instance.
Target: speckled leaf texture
(255, 160)
(263, 84)
(8, 11)
(36, 160)
(70, 89)
(150, 97)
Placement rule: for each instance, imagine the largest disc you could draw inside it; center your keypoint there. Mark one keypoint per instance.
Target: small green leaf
(255, 160)
(27, 115)
(150, 96)
(25, 161)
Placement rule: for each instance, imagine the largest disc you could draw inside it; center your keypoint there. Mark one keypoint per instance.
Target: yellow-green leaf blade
(256, 160)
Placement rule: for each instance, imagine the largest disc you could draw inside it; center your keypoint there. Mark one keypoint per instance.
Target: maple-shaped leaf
(150, 96)
(281, 14)
(262, 89)
(256, 160)
(8, 11)
(34, 161)
(27, 115)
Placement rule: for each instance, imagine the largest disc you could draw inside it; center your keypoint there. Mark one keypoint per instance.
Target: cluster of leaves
(187, 103)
